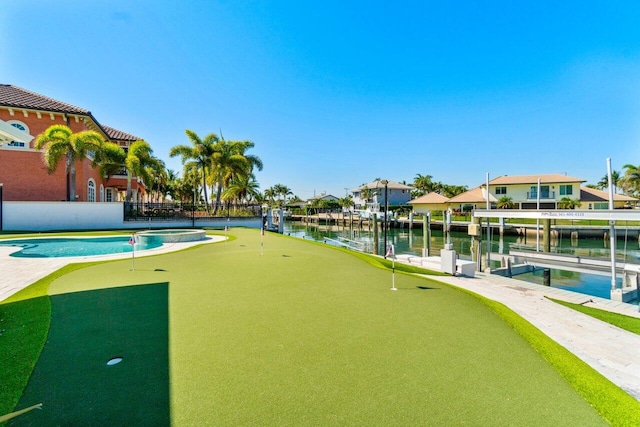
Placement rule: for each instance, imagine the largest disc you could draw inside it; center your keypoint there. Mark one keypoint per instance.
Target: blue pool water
(64, 246)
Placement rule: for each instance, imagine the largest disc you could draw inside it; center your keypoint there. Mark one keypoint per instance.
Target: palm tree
(451, 190)
(631, 180)
(139, 156)
(270, 195)
(346, 202)
(189, 187)
(159, 178)
(198, 154)
(59, 141)
(424, 184)
(172, 184)
(229, 159)
(505, 202)
(367, 194)
(110, 159)
(603, 184)
(282, 191)
(568, 203)
(241, 188)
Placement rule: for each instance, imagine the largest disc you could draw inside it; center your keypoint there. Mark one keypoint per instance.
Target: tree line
(225, 169)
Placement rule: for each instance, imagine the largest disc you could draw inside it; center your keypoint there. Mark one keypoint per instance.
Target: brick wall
(23, 173)
(25, 177)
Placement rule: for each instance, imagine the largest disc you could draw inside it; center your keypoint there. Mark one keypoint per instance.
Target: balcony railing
(544, 195)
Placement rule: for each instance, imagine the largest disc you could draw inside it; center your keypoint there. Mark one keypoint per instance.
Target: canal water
(407, 241)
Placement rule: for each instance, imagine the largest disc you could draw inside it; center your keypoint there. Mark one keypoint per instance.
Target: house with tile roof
(397, 194)
(322, 198)
(523, 192)
(469, 200)
(523, 189)
(591, 198)
(24, 177)
(429, 202)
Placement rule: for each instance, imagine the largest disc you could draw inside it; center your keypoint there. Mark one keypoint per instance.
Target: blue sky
(335, 94)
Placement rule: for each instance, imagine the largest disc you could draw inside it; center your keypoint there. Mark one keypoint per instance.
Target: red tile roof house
(23, 174)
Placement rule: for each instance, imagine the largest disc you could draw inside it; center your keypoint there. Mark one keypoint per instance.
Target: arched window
(101, 193)
(20, 126)
(91, 191)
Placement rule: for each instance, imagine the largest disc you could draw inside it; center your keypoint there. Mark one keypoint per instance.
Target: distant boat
(371, 209)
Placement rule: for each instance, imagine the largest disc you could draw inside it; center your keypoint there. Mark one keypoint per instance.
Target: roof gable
(552, 178)
(430, 198)
(594, 195)
(17, 97)
(391, 185)
(118, 135)
(475, 195)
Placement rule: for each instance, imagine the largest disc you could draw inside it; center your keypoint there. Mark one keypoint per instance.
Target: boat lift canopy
(604, 214)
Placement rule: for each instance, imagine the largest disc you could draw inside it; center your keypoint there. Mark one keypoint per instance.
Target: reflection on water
(412, 242)
(590, 284)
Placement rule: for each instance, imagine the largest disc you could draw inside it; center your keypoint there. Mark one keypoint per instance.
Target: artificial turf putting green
(88, 329)
(307, 335)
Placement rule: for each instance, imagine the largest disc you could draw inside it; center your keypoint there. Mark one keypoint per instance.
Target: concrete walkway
(18, 273)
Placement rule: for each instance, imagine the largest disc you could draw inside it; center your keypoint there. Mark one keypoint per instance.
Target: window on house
(109, 195)
(601, 205)
(566, 190)
(544, 192)
(20, 126)
(91, 191)
(501, 190)
(101, 193)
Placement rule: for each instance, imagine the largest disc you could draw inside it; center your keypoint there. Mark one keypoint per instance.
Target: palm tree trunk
(72, 179)
(218, 196)
(204, 187)
(129, 191)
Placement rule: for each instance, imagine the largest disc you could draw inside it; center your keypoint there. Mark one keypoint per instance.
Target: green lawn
(304, 335)
(631, 324)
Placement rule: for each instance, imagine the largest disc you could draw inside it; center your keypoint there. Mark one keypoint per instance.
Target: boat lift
(611, 215)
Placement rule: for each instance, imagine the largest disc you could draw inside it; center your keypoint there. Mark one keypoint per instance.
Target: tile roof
(552, 178)
(118, 135)
(475, 195)
(593, 195)
(430, 198)
(392, 185)
(323, 196)
(16, 97)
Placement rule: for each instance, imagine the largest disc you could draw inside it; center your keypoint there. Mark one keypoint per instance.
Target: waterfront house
(430, 202)
(23, 116)
(397, 194)
(472, 199)
(523, 192)
(322, 198)
(523, 189)
(591, 198)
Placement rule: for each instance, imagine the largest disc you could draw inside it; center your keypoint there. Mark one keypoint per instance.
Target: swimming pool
(55, 247)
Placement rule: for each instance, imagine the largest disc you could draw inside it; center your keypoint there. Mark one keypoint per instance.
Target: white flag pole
(132, 242)
(393, 268)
